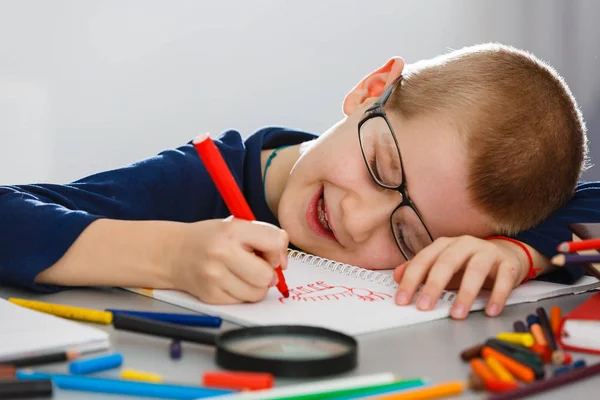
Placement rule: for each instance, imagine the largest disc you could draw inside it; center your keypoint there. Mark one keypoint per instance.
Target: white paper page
(26, 332)
(319, 297)
(354, 301)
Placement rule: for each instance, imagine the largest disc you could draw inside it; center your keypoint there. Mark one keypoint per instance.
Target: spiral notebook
(347, 298)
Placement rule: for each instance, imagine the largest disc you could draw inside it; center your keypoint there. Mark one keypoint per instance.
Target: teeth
(322, 215)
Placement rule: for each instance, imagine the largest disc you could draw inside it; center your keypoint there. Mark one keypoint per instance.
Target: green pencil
(366, 390)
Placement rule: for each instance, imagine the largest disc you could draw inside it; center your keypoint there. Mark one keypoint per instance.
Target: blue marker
(117, 386)
(82, 367)
(532, 319)
(206, 321)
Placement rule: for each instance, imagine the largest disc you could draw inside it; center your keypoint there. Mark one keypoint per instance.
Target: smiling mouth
(323, 219)
(317, 216)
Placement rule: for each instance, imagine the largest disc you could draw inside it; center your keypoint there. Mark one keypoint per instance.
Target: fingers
(241, 290)
(450, 260)
(506, 280)
(477, 270)
(419, 267)
(216, 295)
(399, 272)
(251, 269)
(270, 241)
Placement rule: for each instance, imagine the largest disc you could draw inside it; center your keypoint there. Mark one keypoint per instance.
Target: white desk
(425, 350)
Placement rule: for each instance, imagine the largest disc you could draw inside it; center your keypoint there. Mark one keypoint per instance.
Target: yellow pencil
(433, 392)
(134, 375)
(76, 313)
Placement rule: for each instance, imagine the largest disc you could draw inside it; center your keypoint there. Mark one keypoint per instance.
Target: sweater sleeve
(584, 207)
(38, 223)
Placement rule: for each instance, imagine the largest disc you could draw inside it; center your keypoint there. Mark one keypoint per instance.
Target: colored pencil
(229, 190)
(313, 388)
(206, 321)
(569, 247)
(566, 259)
(558, 355)
(42, 359)
(75, 313)
(551, 383)
(358, 393)
(433, 392)
(119, 386)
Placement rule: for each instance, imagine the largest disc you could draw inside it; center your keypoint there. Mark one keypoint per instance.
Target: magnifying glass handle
(156, 328)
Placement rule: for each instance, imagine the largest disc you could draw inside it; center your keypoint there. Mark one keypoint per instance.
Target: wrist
(523, 254)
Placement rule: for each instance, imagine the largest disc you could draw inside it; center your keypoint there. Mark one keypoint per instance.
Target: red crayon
(231, 193)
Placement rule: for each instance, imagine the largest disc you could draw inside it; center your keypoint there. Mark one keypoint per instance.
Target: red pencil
(231, 193)
(568, 247)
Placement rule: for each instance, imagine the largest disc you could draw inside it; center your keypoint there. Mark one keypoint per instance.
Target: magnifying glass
(282, 350)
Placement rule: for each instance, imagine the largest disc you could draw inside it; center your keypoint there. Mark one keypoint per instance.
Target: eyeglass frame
(377, 110)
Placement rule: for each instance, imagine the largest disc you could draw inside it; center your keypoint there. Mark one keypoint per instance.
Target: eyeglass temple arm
(386, 95)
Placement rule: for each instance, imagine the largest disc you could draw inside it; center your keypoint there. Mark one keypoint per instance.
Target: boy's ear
(373, 85)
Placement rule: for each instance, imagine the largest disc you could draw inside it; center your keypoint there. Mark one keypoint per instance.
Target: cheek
(381, 253)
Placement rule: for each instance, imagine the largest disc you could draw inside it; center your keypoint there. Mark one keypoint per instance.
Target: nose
(363, 216)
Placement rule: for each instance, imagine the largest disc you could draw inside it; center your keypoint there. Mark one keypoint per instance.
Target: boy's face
(357, 210)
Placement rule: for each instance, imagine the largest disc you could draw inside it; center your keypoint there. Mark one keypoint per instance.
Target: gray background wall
(91, 85)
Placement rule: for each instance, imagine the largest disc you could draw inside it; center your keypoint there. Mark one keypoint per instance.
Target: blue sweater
(38, 223)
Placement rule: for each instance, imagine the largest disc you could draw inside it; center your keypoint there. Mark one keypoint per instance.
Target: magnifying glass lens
(287, 347)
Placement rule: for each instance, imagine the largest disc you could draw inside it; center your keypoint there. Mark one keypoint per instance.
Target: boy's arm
(39, 223)
(544, 238)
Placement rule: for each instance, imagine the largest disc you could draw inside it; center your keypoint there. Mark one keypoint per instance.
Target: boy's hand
(229, 261)
(465, 261)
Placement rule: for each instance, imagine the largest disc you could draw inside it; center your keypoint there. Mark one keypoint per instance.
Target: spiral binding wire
(361, 273)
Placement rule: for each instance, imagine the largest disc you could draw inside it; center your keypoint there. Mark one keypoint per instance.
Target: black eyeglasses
(382, 156)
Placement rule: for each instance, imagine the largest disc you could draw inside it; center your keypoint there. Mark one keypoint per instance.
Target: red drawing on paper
(321, 291)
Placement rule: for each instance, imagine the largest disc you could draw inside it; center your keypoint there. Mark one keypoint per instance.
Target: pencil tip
(286, 293)
(71, 355)
(558, 260)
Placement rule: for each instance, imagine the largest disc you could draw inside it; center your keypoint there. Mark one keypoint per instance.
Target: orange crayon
(482, 370)
(555, 319)
(519, 370)
(538, 334)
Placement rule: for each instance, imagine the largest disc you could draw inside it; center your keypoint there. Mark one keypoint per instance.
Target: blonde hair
(525, 136)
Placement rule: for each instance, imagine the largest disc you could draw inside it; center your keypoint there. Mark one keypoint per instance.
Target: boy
(427, 161)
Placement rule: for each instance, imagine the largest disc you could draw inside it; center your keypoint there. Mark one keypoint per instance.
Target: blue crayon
(82, 367)
(532, 319)
(125, 387)
(206, 321)
(175, 349)
(579, 363)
